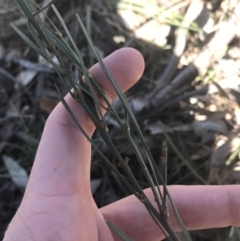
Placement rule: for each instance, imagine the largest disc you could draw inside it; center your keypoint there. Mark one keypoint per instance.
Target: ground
(190, 85)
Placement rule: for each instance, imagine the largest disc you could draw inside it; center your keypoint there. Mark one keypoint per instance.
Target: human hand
(58, 204)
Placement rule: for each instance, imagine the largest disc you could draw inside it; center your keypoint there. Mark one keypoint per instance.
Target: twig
(42, 9)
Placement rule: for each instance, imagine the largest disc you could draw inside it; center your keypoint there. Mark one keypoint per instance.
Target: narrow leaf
(180, 155)
(117, 231)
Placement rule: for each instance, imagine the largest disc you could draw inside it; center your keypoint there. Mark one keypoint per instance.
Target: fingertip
(135, 64)
(126, 65)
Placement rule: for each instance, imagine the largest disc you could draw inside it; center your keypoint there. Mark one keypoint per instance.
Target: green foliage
(47, 36)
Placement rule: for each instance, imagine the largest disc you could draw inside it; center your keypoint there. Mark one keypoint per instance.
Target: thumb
(62, 163)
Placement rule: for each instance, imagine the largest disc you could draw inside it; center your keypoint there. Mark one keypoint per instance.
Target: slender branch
(42, 9)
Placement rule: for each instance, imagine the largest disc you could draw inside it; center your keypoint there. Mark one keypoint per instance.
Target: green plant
(47, 36)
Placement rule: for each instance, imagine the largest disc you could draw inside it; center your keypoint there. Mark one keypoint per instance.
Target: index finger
(200, 207)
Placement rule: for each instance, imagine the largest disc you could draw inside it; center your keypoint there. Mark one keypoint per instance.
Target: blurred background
(188, 96)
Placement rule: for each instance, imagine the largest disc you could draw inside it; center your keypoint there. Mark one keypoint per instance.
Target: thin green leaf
(81, 64)
(89, 30)
(232, 157)
(28, 8)
(180, 155)
(36, 38)
(27, 40)
(117, 231)
(89, 99)
(164, 161)
(68, 34)
(125, 105)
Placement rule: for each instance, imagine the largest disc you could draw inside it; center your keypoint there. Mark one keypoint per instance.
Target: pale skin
(58, 204)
